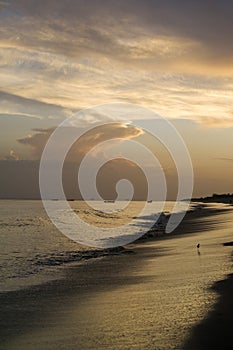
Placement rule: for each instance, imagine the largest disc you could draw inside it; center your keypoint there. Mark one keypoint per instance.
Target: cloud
(3, 4)
(86, 142)
(225, 159)
(131, 30)
(216, 122)
(37, 141)
(67, 55)
(59, 56)
(10, 156)
(12, 104)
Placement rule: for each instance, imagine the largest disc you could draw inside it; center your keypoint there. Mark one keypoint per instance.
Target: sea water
(33, 250)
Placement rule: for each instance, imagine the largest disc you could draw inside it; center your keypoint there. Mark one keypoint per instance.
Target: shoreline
(50, 303)
(189, 225)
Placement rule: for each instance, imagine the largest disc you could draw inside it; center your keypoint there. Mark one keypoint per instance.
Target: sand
(163, 294)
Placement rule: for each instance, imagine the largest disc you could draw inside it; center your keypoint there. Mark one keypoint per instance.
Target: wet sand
(158, 296)
(216, 330)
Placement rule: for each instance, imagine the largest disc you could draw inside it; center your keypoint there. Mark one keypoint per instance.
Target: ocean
(34, 251)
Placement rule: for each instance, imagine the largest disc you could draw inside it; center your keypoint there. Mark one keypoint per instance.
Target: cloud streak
(226, 159)
(58, 57)
(12, 104)
(134, 31)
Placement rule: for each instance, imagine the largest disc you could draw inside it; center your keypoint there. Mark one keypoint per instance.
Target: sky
(174, 57)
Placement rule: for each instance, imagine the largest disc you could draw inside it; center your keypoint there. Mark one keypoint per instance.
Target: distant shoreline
(215, 198)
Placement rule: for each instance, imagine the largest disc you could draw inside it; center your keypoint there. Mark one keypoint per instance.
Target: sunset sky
(172, 56)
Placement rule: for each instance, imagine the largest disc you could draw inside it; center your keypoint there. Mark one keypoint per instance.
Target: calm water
(32, 248)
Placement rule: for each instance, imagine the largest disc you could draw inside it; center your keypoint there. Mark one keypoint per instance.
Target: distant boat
(109, 201)
(150, 201)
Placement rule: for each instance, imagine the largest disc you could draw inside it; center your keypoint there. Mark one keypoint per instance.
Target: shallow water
(32, 248)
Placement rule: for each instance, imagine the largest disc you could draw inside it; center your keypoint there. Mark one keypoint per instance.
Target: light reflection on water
(30, 242)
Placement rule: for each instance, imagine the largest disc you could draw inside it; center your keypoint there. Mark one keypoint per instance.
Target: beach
(159, 294)
(116, 159)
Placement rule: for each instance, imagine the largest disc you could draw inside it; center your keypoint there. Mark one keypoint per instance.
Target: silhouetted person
(198, 245)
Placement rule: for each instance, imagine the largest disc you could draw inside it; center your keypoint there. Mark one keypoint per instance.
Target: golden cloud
(86, 142)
